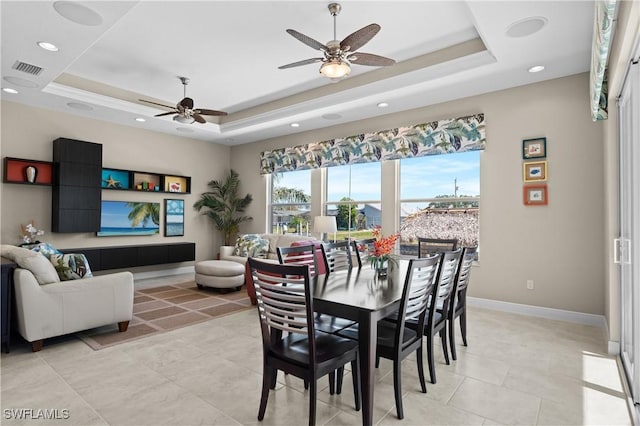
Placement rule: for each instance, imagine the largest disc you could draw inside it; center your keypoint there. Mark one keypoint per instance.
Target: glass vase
(381, 267)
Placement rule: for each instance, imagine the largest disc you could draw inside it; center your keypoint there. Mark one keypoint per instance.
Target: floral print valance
(435, 137)
(602, 26)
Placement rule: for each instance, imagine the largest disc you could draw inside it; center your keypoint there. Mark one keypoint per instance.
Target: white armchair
(69, 306)
(47, 307)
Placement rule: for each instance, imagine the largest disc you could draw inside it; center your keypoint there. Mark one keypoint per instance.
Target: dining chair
(290, 342)
(428, 246)
(337, 256)
(300, 255)
(437, 320)
(363, 248)
(458, 304)
(337, 259)
(306, 255)
(395, 340)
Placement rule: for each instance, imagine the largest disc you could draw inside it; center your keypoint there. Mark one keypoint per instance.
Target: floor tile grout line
(90, 406)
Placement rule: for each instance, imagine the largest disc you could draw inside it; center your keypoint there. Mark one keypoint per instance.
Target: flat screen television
(129, 218)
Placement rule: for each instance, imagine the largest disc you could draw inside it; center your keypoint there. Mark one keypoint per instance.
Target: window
(439, 198)
(291, 202)
(353, 196)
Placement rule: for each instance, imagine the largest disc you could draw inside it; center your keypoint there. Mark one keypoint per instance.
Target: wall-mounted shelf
(15, 171)
(131, 180)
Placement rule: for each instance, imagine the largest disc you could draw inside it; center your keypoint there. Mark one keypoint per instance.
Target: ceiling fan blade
(308, 40)
(370, 59)
(186, 103)
(155, 103)
(165, 113)
(208, 112)
(356, 40)
(198, 118)
(299, 63)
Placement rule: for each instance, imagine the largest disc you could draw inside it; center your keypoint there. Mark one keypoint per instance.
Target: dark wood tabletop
(361, 296)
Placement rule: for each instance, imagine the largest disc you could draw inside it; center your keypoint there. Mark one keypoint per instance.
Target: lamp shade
(335, 69)
(325, 224)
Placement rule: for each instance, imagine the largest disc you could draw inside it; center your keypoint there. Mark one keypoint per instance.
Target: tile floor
(516, 370)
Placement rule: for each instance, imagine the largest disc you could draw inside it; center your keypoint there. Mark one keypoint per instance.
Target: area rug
(168, 307)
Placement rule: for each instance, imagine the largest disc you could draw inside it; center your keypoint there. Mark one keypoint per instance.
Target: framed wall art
(534, 148)
(173, 218)
(535, 195)
(534, 171)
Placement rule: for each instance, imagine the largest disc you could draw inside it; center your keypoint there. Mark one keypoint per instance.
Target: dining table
(360, 295)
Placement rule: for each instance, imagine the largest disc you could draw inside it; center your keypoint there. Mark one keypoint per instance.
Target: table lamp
(324, 225)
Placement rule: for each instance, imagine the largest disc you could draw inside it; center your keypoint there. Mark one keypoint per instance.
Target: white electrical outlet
(530, 284)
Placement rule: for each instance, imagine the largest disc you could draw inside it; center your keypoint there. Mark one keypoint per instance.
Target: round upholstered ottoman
(219, 274)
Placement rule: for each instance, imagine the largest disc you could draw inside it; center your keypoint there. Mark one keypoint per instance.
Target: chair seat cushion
(331, 324)
(386, 333)
(328, 346)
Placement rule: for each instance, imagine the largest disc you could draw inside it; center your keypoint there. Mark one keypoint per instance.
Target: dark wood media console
(118, 257)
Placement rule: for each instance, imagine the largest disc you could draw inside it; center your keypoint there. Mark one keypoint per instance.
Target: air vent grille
(28, 68)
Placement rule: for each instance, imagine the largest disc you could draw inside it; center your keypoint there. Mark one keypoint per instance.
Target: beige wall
(28, 132)
(558, 246)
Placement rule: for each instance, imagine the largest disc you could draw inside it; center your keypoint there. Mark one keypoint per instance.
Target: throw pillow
(71, 266)
(251, 245)
(45, 249)
(37, 264)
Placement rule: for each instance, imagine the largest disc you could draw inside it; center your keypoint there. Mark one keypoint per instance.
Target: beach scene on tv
(129, 218)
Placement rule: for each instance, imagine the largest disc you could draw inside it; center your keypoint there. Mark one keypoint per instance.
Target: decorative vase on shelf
(30, 174)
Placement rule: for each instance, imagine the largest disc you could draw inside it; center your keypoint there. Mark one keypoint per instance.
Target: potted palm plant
(224, 206)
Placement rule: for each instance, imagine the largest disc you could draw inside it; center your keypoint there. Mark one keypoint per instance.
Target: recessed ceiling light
(140, 119)
(383, 105)
(77, 13)
(48, 46)
(10, 90)
(184, 129)
(22, 82)
(295, 124)
(526, 27)
(331, 116)
(78, 105)
(536, 68)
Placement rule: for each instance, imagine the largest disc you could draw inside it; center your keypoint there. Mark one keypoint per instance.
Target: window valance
(432, 138)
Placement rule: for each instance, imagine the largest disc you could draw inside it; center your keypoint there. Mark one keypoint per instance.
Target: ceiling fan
(339, 55)
(184, 110)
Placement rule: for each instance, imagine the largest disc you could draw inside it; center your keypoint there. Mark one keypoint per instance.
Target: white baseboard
(163, 272)
(538, 311)
(613, 346)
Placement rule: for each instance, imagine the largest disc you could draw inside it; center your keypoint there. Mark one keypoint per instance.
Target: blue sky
(424, 177)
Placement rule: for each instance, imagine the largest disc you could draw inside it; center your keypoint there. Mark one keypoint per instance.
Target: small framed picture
(175, 187)
(534, 171)
(535, 195)
(534, 148)
(173, 218)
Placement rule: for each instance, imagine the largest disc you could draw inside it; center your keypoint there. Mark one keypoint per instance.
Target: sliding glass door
(628, 245)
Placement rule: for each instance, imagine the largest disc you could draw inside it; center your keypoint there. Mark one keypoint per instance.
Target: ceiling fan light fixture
(335, 69)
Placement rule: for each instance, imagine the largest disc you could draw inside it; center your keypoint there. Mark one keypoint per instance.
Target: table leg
(367, 336)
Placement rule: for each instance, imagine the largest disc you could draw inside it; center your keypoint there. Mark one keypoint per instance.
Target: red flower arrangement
(382, 249)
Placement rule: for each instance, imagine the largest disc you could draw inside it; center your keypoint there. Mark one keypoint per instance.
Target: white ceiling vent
(28, 68)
